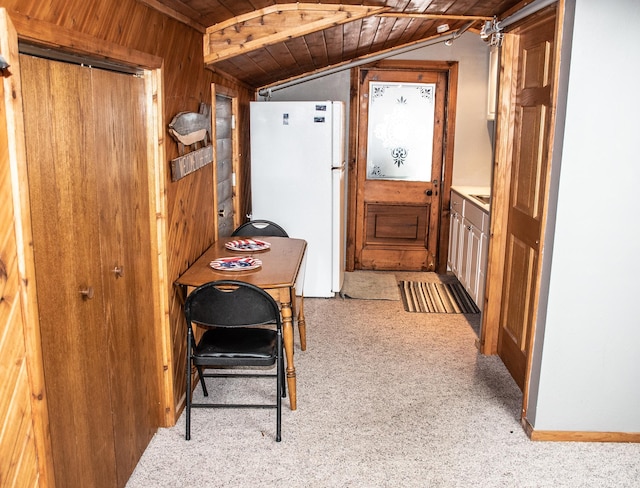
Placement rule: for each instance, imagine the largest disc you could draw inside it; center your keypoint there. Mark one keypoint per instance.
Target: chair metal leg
(205, 392)
(187, 413)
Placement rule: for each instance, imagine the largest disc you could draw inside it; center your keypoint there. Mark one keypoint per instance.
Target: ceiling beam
(174, 14)
(274, 24)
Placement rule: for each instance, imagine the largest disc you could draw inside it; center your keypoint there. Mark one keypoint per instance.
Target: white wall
(588, 369)
(473, 138)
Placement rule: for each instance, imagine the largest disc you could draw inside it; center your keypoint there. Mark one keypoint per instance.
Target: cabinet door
(475, 258)
(465, 254)
(455, 234)
(484, 251)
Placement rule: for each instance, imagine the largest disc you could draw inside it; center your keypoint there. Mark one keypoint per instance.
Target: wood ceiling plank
(351, 39)
(275, 24)
(264, 61)
(426, 29)
(300, 51)
(334, 38)
(398, 28)
(382, 34)
(317, 48)
(367, 35)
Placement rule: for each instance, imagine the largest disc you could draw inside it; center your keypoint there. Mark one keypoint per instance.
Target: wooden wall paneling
(18, 458)
(33, 409)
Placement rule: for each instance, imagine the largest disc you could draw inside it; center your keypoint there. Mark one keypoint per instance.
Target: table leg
(287, 332)
(302, 324)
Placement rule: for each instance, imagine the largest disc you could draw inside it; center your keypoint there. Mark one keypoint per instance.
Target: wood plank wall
(17, 440)
(190, 207)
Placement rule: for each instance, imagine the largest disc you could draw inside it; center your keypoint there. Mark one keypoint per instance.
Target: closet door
(87, 158)
(124, 231)
(64, 205)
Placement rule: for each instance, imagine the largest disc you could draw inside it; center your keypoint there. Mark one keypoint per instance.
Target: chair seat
(224, 346)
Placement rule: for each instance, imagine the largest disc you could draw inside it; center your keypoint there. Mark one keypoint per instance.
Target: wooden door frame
(48, 35)
(450, 68)
(24, 251)
(488, 343)
(217, 89)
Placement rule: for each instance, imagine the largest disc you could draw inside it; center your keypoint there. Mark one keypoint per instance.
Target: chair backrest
(230, 303)
(259, 228)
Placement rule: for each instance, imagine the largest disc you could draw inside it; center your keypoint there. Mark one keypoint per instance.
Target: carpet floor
(386, 398)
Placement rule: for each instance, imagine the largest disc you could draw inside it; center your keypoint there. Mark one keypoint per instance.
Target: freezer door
(337, 135)
(338, 242)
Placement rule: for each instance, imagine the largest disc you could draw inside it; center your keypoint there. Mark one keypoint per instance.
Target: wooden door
(125, 250)
(86, 153)
(64, 207)
(532, 117)
(399, 169)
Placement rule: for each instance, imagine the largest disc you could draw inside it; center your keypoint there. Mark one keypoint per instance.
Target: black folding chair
(259, 228)
(244, 329)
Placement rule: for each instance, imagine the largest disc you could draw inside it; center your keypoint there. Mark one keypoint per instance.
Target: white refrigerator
(298, 181)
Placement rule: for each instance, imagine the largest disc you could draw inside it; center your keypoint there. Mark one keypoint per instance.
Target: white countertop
(468, 192)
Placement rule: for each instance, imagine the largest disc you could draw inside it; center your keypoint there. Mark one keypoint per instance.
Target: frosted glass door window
(400, 131)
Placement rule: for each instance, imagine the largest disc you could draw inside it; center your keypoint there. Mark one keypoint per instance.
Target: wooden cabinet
(468, 245)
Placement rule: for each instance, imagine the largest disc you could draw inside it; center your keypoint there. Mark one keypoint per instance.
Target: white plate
(247, 245)
(235, 263)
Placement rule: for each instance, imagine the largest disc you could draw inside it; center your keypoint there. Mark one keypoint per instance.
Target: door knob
(87, 293)
(429, 193)
(118, 271)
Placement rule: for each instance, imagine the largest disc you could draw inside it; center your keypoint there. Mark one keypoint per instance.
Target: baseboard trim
(578, 436)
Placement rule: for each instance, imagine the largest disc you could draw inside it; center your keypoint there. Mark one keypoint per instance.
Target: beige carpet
(386, 399)
(370, 285)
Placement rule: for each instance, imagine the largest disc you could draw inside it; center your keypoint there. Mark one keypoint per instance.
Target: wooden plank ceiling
(263, 42)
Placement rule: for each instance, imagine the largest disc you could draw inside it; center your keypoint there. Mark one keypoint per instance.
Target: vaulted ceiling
(262, 42)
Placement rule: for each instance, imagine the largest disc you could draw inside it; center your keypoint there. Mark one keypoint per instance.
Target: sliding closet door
(64, 205)
(87, 158)
(125, 241)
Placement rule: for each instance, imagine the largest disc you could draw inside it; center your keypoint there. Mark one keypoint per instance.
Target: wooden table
(277, 276)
